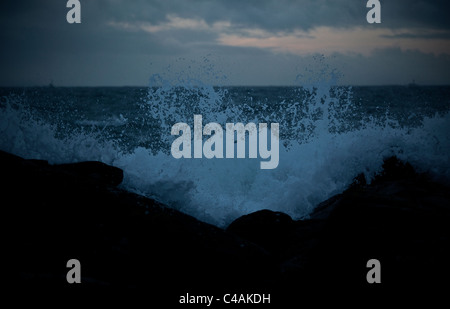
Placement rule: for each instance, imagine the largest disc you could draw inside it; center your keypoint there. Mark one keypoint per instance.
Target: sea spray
(328, 135)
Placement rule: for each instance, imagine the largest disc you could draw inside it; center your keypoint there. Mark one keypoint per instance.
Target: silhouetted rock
(271, 230)
(401, 219)
(58, 212)
(94, 171)
(394, 169)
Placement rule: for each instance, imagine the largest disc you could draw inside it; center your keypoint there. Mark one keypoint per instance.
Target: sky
(229, 42)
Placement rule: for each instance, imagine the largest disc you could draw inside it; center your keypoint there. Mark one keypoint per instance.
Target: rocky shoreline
(76, 211)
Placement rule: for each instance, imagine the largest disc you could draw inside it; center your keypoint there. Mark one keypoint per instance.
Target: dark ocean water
(328, 135)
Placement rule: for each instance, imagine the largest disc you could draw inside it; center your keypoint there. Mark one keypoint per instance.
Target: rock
(94, 171)
(59, 212)
(270, 230)
(401, 219)
(394, 169)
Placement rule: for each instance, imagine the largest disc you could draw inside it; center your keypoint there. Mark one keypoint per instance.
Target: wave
(311, 169)
(114, 121)
(218, 191)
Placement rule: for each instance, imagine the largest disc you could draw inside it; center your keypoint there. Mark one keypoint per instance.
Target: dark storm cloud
(119, 39)
(421, 14)
(271, 15)
(285, 15)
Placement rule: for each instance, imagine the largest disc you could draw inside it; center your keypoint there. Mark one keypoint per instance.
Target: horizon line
(50, 86)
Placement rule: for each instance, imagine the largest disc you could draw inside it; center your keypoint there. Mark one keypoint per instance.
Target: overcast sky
(237, 42)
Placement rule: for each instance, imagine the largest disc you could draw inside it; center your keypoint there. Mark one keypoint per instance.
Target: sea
(329, 134)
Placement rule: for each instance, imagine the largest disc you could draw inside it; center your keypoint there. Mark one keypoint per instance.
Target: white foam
(217, 191)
